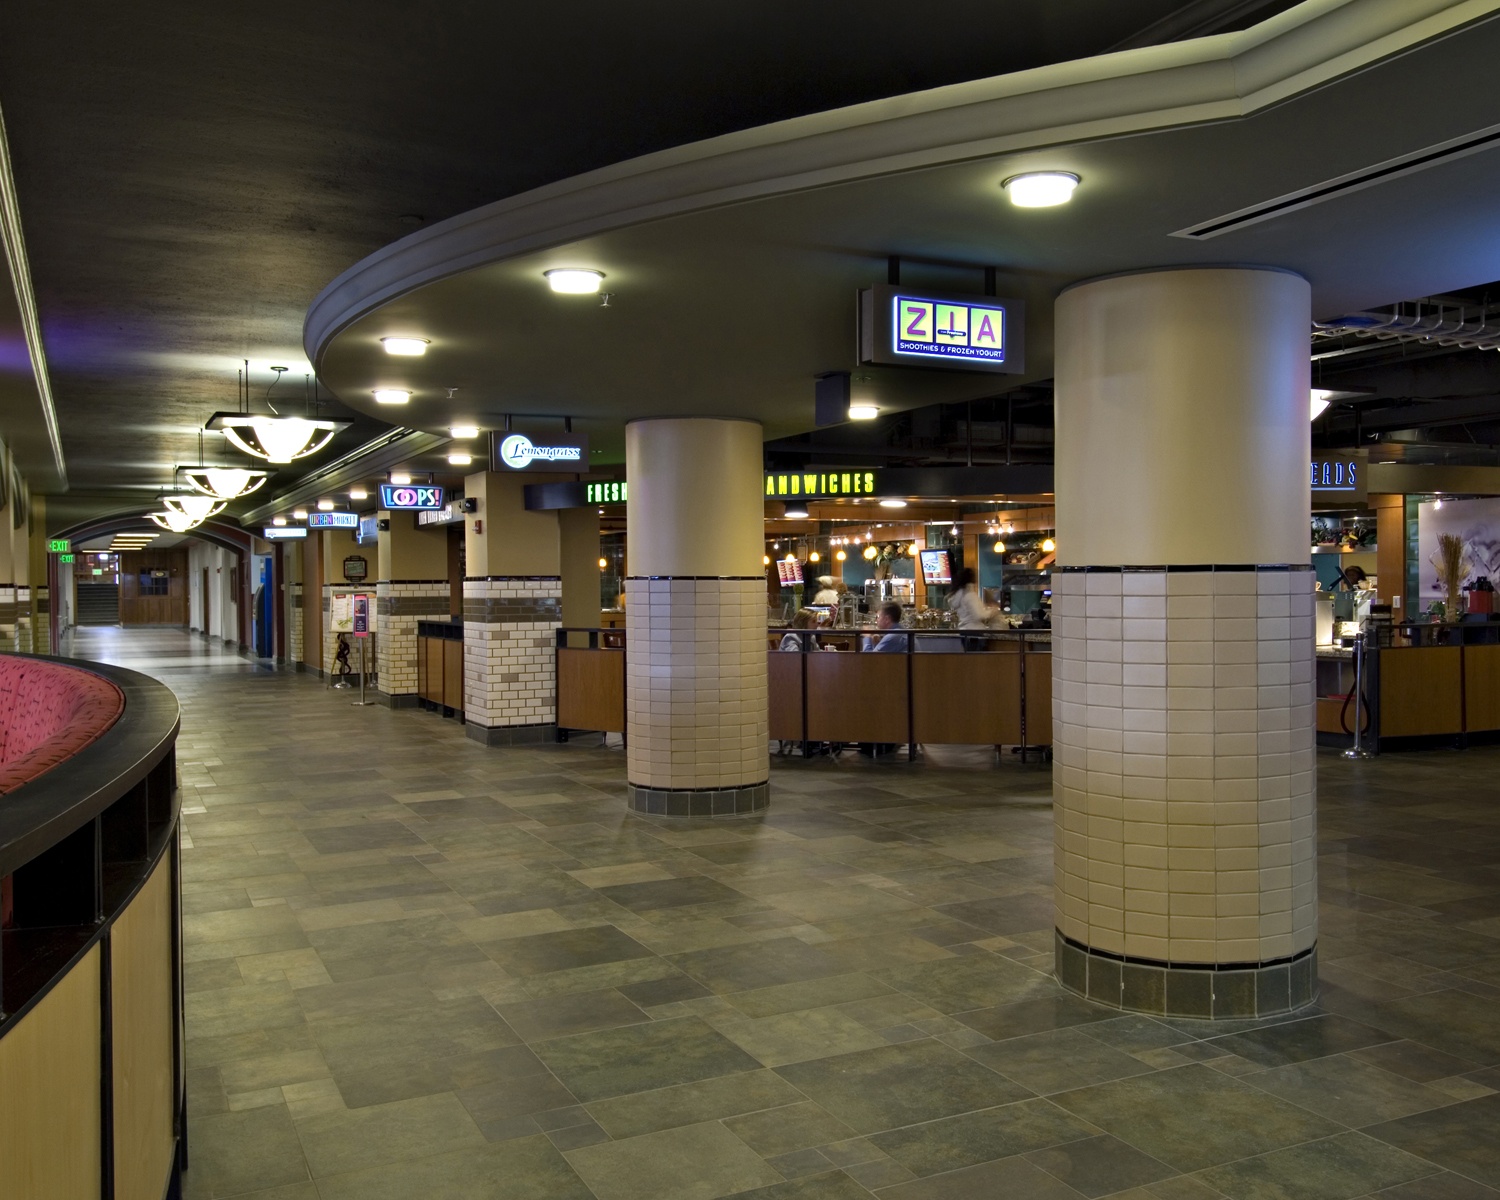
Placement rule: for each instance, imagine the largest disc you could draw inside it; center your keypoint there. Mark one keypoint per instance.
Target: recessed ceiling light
(863, 412)
(463, 431)
(893, 504)
(391, 395)
(400, 478)
(460, 460)
(1040, 189)
(574, 281)
(325, 505)
(299, 514)
(406, 347)
(357, 493)
(278, 520)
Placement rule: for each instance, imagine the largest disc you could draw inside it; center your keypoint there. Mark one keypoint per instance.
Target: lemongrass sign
(521, 452)
(903, 327)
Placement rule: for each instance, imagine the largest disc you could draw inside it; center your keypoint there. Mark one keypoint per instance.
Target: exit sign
(64, 558)
(58, 546)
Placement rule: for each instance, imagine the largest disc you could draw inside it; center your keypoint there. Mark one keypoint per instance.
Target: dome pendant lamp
(275, 438)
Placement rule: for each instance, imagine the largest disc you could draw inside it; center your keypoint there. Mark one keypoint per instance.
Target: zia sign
(902, 327)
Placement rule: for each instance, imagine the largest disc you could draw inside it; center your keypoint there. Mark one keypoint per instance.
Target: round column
(1183, 780)
(695, 615)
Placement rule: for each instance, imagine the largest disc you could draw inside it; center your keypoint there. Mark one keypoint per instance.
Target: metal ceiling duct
(1435, 327)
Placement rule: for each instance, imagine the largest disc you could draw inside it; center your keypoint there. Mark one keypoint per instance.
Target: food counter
(440, 666)
(1436, 681)
(936, 692)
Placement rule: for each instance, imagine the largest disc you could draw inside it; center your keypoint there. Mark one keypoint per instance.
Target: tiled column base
(399, 605)
(695, 696)
(1183, 785)
(294, 623)
(700, 802)
(510, 658)
(1237, 990)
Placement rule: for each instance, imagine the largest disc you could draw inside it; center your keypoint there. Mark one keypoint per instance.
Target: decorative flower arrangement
(1453, 566)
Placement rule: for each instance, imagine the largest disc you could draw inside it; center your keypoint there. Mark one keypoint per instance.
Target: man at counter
(889, 617)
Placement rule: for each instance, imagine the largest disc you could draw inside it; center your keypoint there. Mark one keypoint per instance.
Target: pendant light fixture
(176, 521)
(275, 438)
(222, 483)
(196, 506)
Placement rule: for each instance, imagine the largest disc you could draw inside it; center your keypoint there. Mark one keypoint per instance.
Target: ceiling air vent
(1332, 189)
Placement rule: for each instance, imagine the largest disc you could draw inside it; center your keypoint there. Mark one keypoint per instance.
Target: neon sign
(1335, 475)
(332, 520)
(902, 327)
(605, 493)
(517, 452)
(409, 496)
(820, 483)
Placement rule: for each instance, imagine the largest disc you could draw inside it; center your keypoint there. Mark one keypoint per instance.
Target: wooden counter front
(1481, 688)
(591, 690)
(1421, 691)
(453, 672)
(856, 697)
(968, 699)
(784, 694)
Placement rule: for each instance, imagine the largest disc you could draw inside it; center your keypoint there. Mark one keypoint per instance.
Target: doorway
(206, 606)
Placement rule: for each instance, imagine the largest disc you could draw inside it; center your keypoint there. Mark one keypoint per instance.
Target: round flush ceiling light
(357, 493)
(299, 514)
(1040, 189)
(463, 432)
(405, 347)
(278, 520)
(460, 460)
(863, 412)
(574, 281)
(325, 505)
(391, 395)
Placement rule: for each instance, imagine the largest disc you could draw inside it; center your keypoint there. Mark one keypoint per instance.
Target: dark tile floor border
(700, 802)
(512, 735)
(1180, 990)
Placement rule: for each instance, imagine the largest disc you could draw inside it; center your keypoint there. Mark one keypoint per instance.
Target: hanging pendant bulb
(199, 508)
(177, 522)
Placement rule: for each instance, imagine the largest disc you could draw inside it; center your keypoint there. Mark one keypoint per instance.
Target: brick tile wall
(1183, 777)
(510, 639)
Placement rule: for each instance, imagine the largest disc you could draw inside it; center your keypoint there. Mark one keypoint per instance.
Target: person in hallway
(973, 613)
(888, 618)
(827, 595)
(805, 619)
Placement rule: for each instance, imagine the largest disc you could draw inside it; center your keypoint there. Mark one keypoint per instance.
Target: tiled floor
(422, 968)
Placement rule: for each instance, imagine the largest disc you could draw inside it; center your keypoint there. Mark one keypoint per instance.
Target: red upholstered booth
(48, 713)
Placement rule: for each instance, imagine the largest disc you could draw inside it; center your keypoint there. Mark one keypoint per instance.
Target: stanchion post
(1358, 750)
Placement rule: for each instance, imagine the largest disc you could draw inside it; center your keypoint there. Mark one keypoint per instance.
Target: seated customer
(804, 619)
(889, 617)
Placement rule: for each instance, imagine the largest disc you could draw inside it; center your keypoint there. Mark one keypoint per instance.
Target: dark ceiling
(191, 175)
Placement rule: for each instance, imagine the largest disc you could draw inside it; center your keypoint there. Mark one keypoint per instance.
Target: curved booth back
(91, 1037)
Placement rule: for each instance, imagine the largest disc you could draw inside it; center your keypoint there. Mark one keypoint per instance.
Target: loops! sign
(409, 496)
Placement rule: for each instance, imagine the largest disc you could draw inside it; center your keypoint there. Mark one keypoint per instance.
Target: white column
(695, 612)
(1184, 792)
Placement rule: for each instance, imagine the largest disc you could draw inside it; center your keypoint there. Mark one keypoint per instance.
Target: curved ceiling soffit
(230, 537)
(1134, 91)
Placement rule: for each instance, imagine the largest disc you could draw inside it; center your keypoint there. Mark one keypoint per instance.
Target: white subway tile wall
(695, 683)
(1183, 776)
(510, 665)
(399, 605)
(294, 631)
